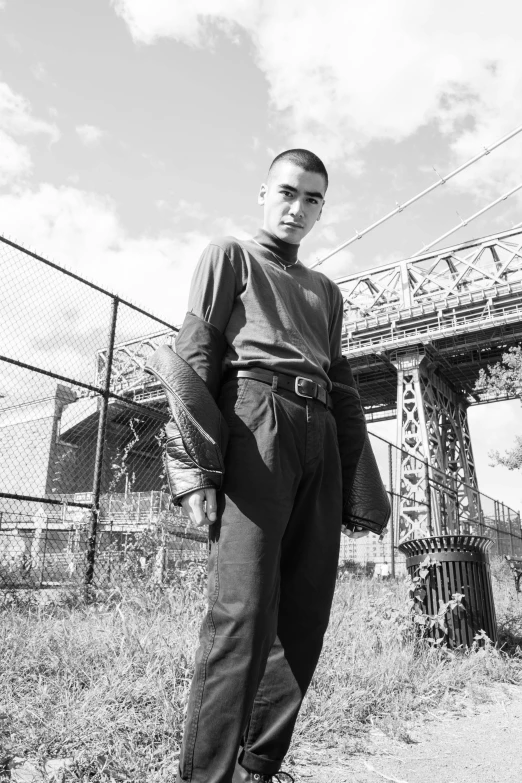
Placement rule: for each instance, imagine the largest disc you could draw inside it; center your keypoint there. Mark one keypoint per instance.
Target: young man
(264, 333)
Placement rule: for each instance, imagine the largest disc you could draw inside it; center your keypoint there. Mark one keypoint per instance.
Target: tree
(505, 378)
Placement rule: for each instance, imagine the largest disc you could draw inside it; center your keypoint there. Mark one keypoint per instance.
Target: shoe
(242, 775)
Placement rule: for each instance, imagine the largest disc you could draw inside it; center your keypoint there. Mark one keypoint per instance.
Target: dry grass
(106, 683)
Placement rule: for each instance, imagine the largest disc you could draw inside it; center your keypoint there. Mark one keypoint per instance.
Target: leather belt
(302, 387)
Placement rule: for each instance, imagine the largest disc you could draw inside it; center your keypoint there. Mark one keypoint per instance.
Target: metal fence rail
(72, 443)
(459, 508)
(83, 497)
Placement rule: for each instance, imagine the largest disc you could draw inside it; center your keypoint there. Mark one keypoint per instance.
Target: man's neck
(284, 250)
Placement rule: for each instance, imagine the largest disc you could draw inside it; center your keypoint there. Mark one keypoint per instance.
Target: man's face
(293, 201)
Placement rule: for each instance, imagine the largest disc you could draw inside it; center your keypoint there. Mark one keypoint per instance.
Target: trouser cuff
(259, 764)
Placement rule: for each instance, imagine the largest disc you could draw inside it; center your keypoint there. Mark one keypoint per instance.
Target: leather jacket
(196, 441)
(197, 434)
(365, 500)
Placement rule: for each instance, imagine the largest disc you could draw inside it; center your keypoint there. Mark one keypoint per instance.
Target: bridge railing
(463, 274)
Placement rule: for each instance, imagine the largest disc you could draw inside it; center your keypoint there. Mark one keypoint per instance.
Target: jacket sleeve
(351, 429)
(202, 344)
(365, 501)
(183, 474)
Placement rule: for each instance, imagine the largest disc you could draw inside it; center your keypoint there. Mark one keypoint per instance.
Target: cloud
(16, 119)
(82, 230)
(343, 74)
(15, 159)
(191, 22)
(39, 72)
(56, 322)
(90, 135)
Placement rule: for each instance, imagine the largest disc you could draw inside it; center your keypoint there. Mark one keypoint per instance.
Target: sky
(133, 131)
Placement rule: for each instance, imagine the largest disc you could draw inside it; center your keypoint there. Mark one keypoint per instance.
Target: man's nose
(296, 208)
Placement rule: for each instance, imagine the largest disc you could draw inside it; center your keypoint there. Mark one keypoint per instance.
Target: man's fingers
(355, 533)
(198, 511)
(200, 506)
(192, 505)
(211, 507)
(187, 510)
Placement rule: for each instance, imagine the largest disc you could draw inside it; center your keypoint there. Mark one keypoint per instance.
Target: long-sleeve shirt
(283, 319)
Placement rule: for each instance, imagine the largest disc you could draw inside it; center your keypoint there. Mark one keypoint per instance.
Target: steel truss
(435, 473)
(129, 359)
(454, 291)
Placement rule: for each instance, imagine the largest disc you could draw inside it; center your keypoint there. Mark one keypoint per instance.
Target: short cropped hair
(304, 159)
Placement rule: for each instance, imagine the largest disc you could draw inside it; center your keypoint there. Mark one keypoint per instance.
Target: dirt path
(483, 745)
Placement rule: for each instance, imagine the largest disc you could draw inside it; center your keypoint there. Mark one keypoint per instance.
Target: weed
(105, 683)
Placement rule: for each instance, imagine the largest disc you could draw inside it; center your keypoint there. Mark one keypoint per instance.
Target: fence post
(100, 449)
(42, 566)
(503, 528)
(510, 533)
(497, 527)
(392, 503)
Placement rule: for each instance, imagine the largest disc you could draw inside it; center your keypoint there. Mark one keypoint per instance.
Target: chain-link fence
(82, 486)
(427, 502)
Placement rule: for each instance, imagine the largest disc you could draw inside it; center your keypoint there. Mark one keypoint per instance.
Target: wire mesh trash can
(457, 564)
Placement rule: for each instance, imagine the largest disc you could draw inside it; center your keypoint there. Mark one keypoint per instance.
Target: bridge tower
(417, 333)
(435, 473)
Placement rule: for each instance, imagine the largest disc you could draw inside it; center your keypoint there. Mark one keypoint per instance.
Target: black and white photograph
(260, 391)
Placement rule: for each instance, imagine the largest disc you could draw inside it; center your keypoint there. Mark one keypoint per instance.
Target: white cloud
(90, 135)
(343, 74)
(49, 319)
(15, 159)
(16, 119)
(82, 231)
(39, 72)
(185, 20)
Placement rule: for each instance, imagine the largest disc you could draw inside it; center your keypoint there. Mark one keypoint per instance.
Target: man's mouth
(293, 225)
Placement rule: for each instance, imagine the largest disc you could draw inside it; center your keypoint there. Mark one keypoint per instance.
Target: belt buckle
(300, 382)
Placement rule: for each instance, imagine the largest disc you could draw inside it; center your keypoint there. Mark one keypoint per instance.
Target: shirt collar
(284, 250)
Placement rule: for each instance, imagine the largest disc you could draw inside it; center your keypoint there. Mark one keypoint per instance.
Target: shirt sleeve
(336, 325)
(201, 341)
(213, 289)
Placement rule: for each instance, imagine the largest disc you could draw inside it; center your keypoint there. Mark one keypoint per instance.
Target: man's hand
(196, 503)
(355, 533)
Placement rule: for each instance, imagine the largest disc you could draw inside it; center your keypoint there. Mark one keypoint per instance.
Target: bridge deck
(461, 305)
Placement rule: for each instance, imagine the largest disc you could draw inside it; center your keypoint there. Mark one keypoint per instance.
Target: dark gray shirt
(287, 320)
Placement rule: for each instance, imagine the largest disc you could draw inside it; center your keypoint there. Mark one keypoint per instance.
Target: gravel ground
(480, 745)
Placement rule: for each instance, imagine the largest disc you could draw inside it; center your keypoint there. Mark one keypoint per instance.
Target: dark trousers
(272, 569)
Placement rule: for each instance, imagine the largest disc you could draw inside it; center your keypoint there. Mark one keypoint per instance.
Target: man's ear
(262, 194)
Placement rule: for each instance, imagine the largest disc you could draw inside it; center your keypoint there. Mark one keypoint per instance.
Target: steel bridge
(417, 332)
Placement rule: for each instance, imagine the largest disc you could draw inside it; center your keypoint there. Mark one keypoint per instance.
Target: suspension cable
(465, 221)
(401, 207)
